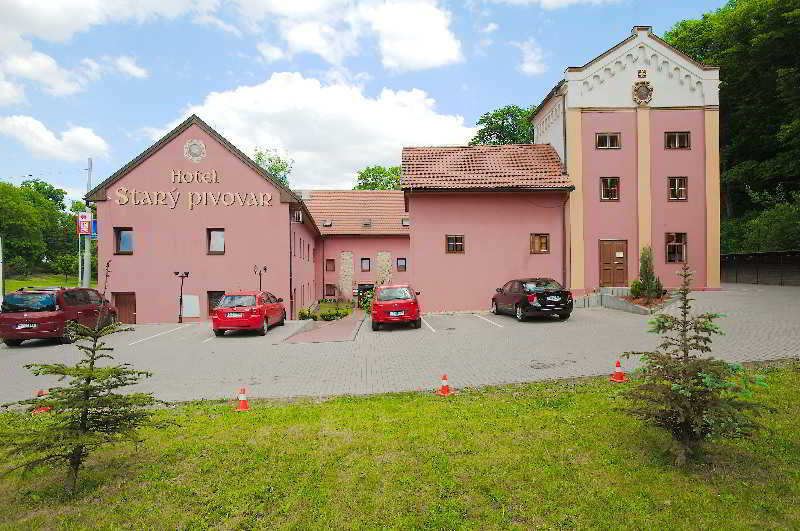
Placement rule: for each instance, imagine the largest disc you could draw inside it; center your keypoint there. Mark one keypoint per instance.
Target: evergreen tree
(87, 413)
(648, 285)
(694, 398)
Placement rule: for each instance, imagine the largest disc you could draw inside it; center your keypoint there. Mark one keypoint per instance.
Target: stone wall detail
(383, 272)
(346, 274)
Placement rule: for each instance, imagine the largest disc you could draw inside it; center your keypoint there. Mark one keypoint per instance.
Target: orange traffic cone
(618, 375)
(243, 404)
(40, 393)
(444, 389)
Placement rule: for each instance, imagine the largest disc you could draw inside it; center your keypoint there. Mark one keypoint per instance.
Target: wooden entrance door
(126, 307)
(613, 263)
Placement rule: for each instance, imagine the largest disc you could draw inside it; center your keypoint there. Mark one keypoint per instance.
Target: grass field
(42, 279)
(548, 455)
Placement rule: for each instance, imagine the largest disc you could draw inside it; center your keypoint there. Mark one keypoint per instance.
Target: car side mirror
(280, 300)
(418, 293)
(498, 290)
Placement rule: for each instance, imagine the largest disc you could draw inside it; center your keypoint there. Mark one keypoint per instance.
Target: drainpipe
(564, 240)
(323, 266)
(291, 244)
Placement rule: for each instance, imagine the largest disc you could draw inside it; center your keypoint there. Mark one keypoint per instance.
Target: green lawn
(547, 455)
(40, 280)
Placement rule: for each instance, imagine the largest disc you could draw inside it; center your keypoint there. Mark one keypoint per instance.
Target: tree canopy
(379, 178)
(276, 165)
(507, 125)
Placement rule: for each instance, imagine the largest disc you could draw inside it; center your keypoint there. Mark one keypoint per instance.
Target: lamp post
(258, 271)
(180, 297)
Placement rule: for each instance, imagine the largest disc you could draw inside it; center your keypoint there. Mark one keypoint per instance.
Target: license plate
(26, 325)
(554, 298)
(396, 314)
(234, 314)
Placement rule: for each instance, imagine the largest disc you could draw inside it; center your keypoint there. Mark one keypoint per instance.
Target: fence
(778, 267)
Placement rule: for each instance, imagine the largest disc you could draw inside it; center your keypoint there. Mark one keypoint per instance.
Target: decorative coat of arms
(642, 92)
(194, 150)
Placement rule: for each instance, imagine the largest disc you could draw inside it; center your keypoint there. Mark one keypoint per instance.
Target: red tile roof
(348, 210)
(516, 166)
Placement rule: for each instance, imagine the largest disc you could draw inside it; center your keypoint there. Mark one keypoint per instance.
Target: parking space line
(159, 334)
(209, 339)
(428, 325)
(488, 320)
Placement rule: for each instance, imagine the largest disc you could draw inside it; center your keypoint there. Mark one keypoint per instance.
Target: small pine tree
(87, 413)
(650, 285)
(694, 398)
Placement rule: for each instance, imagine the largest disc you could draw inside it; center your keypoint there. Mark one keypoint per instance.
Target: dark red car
(395, 304)
(36, 313)
(247, 310)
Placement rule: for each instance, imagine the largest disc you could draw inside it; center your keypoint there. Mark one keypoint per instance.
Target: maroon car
(37, 313)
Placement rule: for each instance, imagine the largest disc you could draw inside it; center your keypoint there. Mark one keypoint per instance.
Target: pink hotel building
(627, 156)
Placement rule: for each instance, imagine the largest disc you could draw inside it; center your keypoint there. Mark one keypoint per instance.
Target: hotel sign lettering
(191, 199)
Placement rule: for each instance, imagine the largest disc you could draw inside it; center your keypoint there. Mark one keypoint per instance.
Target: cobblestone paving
(762, 322)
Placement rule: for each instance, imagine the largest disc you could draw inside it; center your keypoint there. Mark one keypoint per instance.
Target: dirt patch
(647, 303)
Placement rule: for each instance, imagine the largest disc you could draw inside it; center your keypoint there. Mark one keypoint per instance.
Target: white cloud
(553, 4)
(319, 38)
(218, 23)
(331, 130)
(127, 65)
(489, 28)
(532, 58)
(10, 92)
(39, 67)
(412, 34)
(75, 143)
(270, 53)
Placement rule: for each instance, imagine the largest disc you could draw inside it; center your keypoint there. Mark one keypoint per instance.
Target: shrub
(365, 300)
(303, 314)
(692, 397)
(328, 316)
(636, 289)
(650, 283)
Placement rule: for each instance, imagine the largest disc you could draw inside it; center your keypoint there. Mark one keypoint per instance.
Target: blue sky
(335, 84)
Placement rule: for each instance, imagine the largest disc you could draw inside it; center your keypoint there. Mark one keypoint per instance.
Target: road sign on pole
(84, 223)
(94, 229)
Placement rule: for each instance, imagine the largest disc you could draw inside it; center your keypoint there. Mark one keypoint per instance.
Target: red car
(395, 304)
(37, 313)
(248, 310)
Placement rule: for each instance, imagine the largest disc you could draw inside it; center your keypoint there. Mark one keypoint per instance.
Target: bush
(365, 300)
(636, 289)
(328, 316)
(692, 397)
(303, 314)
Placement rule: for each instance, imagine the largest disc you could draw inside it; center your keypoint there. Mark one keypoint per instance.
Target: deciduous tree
(379, 178)
(507, 125)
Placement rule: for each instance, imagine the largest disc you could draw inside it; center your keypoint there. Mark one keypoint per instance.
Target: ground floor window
(454, 243)
(213, 299)
(676, 247)
(330, 290)
(123, 240)
(540, 243)
(401, 264)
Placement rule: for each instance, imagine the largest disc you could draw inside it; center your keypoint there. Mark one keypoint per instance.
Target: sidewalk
(344, 329)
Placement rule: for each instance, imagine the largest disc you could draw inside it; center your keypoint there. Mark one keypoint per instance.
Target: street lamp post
(258, 271)
(180, 297)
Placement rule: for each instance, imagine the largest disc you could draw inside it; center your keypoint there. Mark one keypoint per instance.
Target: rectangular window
(540, 243)
(609, 188)
(454, 243)
(677, 140)
(330, 264)
(297, 216)
(401, 264)
(123, 240)
(308, 251)
(216, 241)
(676, 247)
(608, 140)
(365, 264)
(678, 188)
(330, 290)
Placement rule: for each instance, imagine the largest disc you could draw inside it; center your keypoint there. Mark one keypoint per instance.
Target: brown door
(126, 307)
(613, 262)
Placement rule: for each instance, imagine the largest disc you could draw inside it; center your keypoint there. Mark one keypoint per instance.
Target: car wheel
(519, 314)
(283, 319)
(12, 342)
(263, 330)
(494, 309)
(68, 335)
(219, 333)
(375, 326)
(418, 323)
(563, 316)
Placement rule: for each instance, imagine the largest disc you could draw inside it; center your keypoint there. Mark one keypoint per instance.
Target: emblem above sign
(642, 92)
(194, 150)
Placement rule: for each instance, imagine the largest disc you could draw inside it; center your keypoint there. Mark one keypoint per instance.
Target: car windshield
(232, 301)
(29, 302)
(541, 284)
(393, 294)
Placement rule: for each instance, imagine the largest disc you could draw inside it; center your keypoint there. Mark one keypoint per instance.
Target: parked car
(532, 297)
(248, 310)
(395, 304)
(36, 313)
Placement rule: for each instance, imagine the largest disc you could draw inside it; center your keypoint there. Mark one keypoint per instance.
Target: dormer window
(367, 223)
(297, 216)
(406, 222)
(327, 223)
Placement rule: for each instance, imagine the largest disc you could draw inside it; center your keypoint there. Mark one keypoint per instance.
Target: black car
(529, 297)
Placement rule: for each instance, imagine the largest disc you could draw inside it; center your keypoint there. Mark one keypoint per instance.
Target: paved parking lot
(762, 322)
